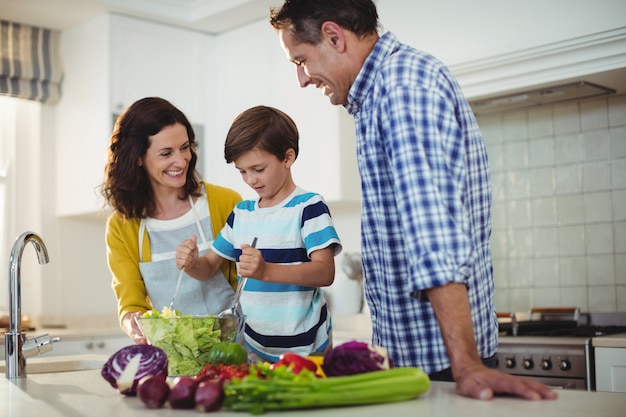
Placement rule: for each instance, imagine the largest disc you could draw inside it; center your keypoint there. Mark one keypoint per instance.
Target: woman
(158, 200)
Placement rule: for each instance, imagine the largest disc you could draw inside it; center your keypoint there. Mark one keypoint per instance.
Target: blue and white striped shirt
(282, 317)
(426, 201)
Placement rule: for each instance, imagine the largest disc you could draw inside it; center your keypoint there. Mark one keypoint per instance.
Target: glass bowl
(187, 339)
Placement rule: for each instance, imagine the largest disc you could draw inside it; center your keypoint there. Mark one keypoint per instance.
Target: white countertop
(86, 393)
(612, 340)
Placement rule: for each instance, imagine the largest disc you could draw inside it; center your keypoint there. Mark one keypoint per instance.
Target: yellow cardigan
(123, 251)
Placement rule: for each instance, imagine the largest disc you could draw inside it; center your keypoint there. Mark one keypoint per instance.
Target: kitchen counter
(612, 340)
(86, 393)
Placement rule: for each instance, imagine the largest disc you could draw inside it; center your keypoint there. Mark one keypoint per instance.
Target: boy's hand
(187, 253)
(251, 263)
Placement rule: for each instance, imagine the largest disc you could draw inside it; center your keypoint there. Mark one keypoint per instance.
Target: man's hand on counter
(483, 383)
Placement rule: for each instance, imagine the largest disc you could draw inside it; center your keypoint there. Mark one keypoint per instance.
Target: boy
(283, 303)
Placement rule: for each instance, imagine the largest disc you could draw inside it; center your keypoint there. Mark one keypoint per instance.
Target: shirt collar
(385, 46)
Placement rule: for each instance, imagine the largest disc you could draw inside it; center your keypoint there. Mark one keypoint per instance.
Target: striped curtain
(30, 62)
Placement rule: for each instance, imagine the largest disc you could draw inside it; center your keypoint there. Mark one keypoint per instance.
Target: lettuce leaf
(184, 338)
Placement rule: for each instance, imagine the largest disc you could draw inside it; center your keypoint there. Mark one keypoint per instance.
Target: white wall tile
(621, 297)
(500, 273)
(568, 148)
(566, 118)
(540, 122)
(542, 182)
(547, 297)
(574, 297)
(573, 271)
(602, 299)
(546, 272)
(595, 145)
(517, 184)
(594, 114)
(620, 237)
(515, 126)
(544, 211)
(520, 273)
(516, 155)
(599, 238)
(501, 300)
(617, 110)
(618, 173)
(499, 245)
(520, 243)
(495, 154)
(617, 142)
(545, 242)
(600, 269)
(569, 179)
(518, 213)
(620, 268)
(521, 299)
(541, 152)
(619, 205)
(491, 128)
(559, 208)
(596, 176)
(598, 207)
(570, 209)
(498, 185)
(571, 240)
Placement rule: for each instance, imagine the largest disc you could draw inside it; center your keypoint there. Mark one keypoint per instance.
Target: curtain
(30, 62)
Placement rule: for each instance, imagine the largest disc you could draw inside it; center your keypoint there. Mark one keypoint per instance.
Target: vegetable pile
(188, 340)
(358, 374)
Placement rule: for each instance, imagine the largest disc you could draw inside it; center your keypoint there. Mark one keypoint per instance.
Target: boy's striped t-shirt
(281, 317)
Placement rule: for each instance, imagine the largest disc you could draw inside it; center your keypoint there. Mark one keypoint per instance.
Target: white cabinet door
(610, 369)
(89, 345)
(253, 70)
(150, 59)
(110, 62)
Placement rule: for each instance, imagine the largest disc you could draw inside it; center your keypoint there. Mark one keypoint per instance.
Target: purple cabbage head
(354, 358)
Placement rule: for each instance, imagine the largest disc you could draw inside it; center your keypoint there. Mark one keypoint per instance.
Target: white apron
(194, 296)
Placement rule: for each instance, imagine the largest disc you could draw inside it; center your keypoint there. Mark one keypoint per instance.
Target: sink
(53, 364)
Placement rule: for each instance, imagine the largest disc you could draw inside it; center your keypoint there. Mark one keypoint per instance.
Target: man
(426, 218)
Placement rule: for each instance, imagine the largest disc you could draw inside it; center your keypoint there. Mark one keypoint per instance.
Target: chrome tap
(17, 346)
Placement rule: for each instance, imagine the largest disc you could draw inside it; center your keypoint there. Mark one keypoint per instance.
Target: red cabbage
(354, 358)
(127, 366)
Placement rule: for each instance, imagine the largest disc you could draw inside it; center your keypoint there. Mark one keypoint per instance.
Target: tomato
(225, 372)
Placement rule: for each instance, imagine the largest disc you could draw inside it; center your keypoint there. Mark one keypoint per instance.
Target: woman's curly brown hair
(126, 185)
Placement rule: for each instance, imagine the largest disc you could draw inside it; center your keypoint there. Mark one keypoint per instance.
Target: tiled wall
(559, 207)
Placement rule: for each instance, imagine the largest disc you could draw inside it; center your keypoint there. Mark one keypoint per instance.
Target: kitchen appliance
(553, 344)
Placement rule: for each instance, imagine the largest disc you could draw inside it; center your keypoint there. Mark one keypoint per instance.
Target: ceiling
(211, 16)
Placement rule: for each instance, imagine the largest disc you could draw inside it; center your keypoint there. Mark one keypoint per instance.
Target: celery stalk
(259, 395)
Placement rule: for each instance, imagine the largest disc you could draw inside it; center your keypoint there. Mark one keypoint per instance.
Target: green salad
(186, 339)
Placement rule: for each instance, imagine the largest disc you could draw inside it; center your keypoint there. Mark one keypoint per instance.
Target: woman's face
(167, 159)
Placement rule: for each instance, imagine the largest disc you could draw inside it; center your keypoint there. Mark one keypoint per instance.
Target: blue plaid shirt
(426, 202)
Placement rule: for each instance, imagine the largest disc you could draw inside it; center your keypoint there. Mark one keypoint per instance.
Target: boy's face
(267, 175)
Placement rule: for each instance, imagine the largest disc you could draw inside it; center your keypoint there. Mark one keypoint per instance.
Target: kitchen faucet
(18, 346)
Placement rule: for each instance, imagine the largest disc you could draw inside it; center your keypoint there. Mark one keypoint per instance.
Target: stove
(553, 345)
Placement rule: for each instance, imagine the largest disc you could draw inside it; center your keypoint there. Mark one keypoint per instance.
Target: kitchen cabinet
(253, 70)
(89, 345)
(610, 363)
(110, 62)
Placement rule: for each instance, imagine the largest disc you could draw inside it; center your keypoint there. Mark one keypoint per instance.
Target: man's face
(319, 65)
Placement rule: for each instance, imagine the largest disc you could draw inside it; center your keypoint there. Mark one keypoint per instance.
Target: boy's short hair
(262, 127)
